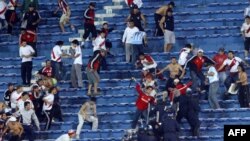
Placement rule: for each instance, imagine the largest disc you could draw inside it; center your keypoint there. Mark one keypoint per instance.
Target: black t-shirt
(169, 23)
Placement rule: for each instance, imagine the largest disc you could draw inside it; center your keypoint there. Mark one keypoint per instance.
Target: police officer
(189, 109)
(170, 126)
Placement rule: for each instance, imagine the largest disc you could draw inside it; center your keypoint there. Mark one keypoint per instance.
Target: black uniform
(189, 109)
(170, 127)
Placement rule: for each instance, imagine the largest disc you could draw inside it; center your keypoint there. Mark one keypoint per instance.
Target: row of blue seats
(116, 107)
(43, 36)
(125, 124)
(229, 41)
(161, 56)
(119, 132)
(205, 113)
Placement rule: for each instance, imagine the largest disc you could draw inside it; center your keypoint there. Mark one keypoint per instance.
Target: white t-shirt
(137, 39)
(183, 56)
(13, 99)
(27, 50)
(64, 137)
(128, 34)
(247, 11)
(213, 78)
(246, 29)
(99, 43)
(233, 64)
(3, 8)
(136, 2)
(56, 54)
(50, 98)
(78, 60)
(20, 104)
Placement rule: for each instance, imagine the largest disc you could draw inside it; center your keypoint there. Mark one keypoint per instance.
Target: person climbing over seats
(47, 71)
(184, 54)
(147, 63)
(87, 113)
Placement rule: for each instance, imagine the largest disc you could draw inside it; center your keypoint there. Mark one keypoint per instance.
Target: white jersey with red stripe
(12, 4)
(183, 56)
(56, 54)
(99, 43)
(14, 97)
(63, 5)
(3, 8)
(233, 64)
(49, 98)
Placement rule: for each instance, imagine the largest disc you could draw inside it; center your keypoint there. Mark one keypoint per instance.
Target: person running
(62, 4)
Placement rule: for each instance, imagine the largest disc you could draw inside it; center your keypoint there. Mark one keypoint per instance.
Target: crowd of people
(162, 109)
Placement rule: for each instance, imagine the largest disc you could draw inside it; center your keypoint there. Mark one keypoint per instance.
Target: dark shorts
(247, 43)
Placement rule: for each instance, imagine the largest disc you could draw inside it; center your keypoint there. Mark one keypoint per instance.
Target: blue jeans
(230, 79)
(195, 76)
(212, 95)
(28, 132)
(138, 114)
(57, 70)
(135, 50)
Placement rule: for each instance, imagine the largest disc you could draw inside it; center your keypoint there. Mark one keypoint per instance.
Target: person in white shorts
(65, 16)
(167, 26)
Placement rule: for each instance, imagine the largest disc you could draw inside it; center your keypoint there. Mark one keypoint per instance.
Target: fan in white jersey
(184, 54)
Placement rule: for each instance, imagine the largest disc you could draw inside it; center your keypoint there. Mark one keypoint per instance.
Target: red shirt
(63, 4)
(47, 71)
(219, 59)
(199, 61)
(143, 99)
(94, 62)
(28, 36)
(182, 88)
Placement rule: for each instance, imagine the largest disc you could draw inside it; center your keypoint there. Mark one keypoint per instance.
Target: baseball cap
(12, 118)
(176, 81)
(200, 50)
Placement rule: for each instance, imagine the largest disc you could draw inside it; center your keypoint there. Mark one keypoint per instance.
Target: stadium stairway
(208, 24)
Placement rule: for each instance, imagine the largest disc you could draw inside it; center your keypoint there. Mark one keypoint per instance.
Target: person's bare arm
(144, 20)
(164, 69)
(162, 23)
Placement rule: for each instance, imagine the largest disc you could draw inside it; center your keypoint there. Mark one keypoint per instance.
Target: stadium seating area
(208, 24)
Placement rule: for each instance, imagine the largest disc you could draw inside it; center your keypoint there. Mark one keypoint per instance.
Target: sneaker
(82, 44)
